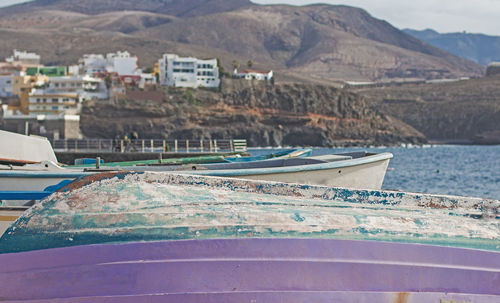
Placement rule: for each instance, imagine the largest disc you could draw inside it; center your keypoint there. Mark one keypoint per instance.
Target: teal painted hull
(159, 206)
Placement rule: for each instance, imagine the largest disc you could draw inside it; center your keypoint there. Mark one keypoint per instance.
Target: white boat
(360, 170)
(21, 149)
(21, 185)
(29, 169)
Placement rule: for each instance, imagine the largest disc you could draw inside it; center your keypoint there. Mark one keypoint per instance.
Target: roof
(250, 71)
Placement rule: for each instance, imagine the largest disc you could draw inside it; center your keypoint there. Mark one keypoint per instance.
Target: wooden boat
(155, 237)
(349, 170)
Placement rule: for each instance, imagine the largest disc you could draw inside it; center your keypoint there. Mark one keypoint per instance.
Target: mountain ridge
(187, 8)
(480, 48)
(317, 43)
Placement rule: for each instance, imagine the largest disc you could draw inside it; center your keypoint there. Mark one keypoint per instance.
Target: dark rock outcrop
(461, 111)
(265, 115)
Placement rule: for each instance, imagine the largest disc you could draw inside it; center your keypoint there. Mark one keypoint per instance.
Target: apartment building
(188, 71)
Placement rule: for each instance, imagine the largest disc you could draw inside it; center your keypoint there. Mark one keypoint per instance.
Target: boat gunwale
(370, 158)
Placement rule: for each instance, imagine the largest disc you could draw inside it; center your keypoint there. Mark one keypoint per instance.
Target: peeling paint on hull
(157, 237)
(159, 206)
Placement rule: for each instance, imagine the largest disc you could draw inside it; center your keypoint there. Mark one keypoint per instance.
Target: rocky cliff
(262, 113)
(460, 111)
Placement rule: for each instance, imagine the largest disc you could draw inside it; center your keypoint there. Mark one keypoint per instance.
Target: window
(38, 100)
(8, 81)
(44, 100)
(55, 100)
(66, 100)
(55, 107)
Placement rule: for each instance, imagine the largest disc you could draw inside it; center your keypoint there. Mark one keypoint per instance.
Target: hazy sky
(9, 2)
(475, 16)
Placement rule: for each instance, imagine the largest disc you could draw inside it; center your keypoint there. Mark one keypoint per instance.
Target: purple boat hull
(252, 270)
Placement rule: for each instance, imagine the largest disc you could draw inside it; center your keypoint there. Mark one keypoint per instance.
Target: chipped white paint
(168, 206)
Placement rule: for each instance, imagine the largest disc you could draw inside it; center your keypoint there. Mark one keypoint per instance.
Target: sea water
(465, 170)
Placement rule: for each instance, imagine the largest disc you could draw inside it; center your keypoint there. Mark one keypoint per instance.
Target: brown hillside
(459, 111)
(187, 8)
(318, 43)
(333, 42)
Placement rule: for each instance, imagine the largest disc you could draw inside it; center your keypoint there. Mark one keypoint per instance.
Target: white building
(92, 63)
(147, 80)
(5, 85)
(121, 63)
(86, 87)
(65, 94)
(188, 71)
(24, 57)
(249, 74)
(73, 70)
(41, 102)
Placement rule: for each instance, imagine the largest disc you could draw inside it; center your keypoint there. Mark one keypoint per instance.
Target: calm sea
(465, 170)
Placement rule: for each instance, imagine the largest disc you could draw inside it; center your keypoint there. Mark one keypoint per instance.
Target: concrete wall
(51, 128)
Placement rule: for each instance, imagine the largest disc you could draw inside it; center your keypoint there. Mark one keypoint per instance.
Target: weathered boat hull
(155, 237)
(252, 270)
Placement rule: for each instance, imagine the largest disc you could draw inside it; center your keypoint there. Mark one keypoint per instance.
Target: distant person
(126, 140)
(134, 136)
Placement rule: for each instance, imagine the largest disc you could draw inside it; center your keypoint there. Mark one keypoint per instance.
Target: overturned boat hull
(253, 270)
(156, 237)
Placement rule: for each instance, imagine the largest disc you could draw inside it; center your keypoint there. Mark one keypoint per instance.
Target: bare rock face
(264, 114)
(493, 69)
(460, 111)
